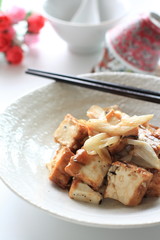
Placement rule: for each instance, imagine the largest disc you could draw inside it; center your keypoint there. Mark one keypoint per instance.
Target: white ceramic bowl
(84, 37)
(26, 145)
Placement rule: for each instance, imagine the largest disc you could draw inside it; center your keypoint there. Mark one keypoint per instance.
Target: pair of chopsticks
(126, 91)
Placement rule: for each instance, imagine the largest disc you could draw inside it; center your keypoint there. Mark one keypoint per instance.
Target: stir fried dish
(110, 155)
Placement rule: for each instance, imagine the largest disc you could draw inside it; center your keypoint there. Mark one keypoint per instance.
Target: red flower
(35, 23)
(5, 22)
(5, 41)
(14, 55)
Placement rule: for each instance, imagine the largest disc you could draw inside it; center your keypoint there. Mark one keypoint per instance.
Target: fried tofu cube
(154, 186)
(82, 192)
(57, 167)
(157, 133)
(71, 133)
(127, 183)
(90, 169)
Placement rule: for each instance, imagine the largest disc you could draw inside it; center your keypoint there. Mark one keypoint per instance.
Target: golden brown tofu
(82, 192)
(90, 169)
(157, 133)
(71, 133)
(57, 166)
(154, 186)
(151, 137)
(127, 183)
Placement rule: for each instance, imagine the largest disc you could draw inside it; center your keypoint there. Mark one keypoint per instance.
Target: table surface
(18, 219)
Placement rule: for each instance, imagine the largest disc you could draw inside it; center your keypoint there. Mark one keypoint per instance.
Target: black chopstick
(119, 86)
(142, 94)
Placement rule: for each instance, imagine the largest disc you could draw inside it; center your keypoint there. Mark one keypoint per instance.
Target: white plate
(26, 145)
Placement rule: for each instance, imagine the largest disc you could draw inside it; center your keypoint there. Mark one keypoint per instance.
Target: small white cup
(84, 37)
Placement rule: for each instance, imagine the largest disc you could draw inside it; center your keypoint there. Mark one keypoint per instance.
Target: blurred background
(137, 5)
